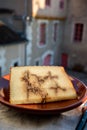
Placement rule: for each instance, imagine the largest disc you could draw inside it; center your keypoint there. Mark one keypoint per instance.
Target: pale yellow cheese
(40, 84)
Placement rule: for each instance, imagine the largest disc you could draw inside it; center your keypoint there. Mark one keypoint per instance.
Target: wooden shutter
(47, 2)
(78, 32)
(55, 31)
(61, 4)
(64, 60)
(42, 33)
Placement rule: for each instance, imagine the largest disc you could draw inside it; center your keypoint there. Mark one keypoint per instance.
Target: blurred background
(43, 32)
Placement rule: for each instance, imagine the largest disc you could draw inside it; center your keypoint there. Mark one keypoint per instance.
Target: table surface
(11, 119)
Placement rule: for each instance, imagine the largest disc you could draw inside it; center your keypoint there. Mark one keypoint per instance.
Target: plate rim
(47, 111)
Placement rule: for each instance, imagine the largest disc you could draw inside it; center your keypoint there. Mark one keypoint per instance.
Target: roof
(6, 11)
(7, 35)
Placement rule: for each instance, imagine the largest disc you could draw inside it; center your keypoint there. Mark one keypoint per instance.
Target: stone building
(74, 45)
(12, 49)
(55, 30)
(44, 30)
(42, 23)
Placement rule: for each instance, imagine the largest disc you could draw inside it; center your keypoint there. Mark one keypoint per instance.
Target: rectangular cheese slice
(40, 84)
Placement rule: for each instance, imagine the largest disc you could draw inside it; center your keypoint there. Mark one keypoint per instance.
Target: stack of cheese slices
(40, 84)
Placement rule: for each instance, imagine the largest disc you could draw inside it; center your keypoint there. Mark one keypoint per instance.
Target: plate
(47, 108)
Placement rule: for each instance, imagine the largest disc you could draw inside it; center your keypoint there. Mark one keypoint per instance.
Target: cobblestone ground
(81, 76)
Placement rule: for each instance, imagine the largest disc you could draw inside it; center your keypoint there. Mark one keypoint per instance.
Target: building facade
(42, 22)
(45, 32)
(74, 45)
(12, 49)
(55, 30)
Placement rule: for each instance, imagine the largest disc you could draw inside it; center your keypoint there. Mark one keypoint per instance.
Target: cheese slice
(40, 84)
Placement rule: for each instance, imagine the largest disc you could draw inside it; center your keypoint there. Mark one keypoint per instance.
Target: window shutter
(61, 4)
(42, 33)
(55, 31)
(47, 2)
(78, 32)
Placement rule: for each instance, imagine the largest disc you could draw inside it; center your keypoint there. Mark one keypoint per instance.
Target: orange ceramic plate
(48, 108)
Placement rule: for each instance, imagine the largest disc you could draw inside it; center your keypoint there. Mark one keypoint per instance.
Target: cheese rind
(40, 84)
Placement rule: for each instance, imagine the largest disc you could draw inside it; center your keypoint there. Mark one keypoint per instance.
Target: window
(55, 31)
(78, 32)
(42, 33)
(61, 4)
(47, 2)
(37, 62)
(15, 64)
(0, 70)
